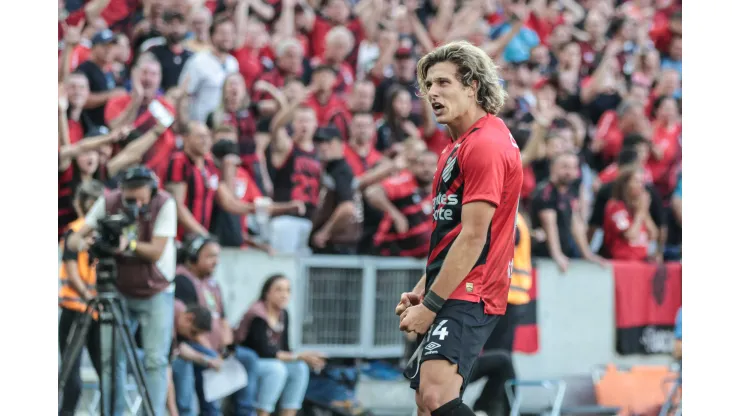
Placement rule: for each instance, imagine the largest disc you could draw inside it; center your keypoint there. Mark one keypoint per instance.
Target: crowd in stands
(295, 126)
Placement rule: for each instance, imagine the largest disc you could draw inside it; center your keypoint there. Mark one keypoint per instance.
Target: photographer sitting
(77, 276)
(194, 285)
(145, 260)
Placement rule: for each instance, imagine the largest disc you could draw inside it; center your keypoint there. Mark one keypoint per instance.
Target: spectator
(518, 49)
(337, 225)
(171, 52)
(613, 126)
(288, 65)
(200, 36)
(556, 214)
(77, 44)
(100, 79)
(362, 96)
(196, 183)
(404, 74)
(265, 328)
(77, 287)
(339, 44)
(191, 323)
(236, 111)
(642, 148)
(666, 144)
(194, 285)
(207, 70)
(673, 60)
(628, 227)
(295, 173)
(329, 106)
(406, 201)
(674, 224)
(629, 158)
(149, 143)
(397, 123)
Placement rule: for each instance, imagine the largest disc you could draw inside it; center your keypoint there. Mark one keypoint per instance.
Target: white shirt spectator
(207, 75)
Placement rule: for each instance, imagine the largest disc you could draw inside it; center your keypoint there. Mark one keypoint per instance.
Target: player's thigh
(453, 345)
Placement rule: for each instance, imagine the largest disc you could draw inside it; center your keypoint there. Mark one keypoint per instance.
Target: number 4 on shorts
(440, 330)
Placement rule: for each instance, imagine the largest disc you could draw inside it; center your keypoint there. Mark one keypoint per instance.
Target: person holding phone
(151, 141)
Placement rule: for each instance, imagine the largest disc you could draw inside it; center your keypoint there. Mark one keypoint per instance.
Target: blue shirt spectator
(518, 49)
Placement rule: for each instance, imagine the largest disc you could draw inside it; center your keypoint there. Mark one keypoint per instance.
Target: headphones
(194, 246)
(141, 173)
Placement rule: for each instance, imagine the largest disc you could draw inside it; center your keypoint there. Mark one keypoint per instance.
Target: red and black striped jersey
(297, 179)
(415, 204)
(202, 184)
(483, 164)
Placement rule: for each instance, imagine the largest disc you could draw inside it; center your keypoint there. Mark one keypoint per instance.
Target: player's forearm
(419, 288)
(459, 261)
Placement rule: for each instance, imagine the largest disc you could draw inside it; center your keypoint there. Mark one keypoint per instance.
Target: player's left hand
(417, 319)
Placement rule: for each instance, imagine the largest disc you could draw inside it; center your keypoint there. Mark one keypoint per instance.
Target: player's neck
(465, 121)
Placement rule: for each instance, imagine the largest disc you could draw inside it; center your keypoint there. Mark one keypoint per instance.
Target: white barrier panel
(575, 311)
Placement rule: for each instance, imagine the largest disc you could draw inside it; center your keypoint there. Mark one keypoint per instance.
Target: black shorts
(457, 335)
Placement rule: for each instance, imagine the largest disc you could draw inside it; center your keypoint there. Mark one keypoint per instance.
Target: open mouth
(437, 108)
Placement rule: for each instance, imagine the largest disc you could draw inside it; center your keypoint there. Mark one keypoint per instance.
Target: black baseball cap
(324, 67)
(326, 134)
(104, 37)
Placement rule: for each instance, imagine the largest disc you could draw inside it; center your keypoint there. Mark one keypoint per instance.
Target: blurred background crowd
(294, 126)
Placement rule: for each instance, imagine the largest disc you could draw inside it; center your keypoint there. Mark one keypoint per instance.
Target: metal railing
(345, 305)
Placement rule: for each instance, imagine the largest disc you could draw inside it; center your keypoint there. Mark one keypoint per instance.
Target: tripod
(109, 306)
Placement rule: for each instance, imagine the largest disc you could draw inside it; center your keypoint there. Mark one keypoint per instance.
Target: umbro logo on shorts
(431, 347)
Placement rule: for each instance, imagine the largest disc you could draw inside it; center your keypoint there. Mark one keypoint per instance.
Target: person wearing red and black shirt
(475, 200)
(628, 226)
(329, 107)
(339, 43)
(612, 128)
(556, 210)
(336, 13)
(195, 182)
(666, 145)
(99, 76)
(406, 199)
(133, 109)
(404, 74)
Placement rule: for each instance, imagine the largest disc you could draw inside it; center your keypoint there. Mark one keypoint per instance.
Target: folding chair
(648, 393)
(557, 408)
(672, 404)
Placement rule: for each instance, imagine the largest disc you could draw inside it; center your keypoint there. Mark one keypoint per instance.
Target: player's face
(448, 97)
(279, 293)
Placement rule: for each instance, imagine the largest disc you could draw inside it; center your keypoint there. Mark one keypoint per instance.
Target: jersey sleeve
(483, 166)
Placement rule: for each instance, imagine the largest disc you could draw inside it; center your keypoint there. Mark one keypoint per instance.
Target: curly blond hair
(473, 64)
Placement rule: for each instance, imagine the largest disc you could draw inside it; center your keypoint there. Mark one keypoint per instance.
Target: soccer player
(476, 194)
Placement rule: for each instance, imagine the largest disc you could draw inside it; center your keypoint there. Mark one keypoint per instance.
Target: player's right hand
(408, 299)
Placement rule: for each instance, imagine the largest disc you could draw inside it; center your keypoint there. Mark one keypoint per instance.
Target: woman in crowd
(396, 124)
(628, 226)
(264, 328)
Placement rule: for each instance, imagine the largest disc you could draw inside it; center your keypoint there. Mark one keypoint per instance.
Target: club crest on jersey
(447, 171)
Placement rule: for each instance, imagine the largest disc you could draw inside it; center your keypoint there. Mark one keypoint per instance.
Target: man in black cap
(101, 80)
(404, 74)
(171, 54)
(337, 224)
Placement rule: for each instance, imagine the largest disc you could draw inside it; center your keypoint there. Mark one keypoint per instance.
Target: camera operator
(77, 276)
(145, 261)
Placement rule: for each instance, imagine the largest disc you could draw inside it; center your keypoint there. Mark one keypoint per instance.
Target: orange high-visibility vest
(521, 276)
(68, 296)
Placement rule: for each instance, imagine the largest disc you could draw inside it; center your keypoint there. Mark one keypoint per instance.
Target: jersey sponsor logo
(441, 212)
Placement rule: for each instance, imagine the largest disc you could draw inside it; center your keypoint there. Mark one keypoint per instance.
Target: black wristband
(433, 302)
